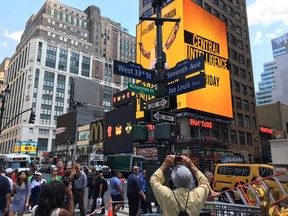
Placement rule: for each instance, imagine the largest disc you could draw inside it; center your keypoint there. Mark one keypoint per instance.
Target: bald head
(136, 170)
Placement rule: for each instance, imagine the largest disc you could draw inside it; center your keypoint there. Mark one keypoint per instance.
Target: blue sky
(266, 21)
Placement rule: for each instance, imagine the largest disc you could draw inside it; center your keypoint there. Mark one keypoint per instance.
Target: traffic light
(162, 132)
(139, 133)
(32, 117)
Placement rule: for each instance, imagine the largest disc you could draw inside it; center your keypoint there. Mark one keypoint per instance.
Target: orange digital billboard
(199, 33)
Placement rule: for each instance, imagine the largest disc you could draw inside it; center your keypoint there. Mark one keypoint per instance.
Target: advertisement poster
(199, 33)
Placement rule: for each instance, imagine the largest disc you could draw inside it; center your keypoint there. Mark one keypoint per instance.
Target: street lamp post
(3, 95)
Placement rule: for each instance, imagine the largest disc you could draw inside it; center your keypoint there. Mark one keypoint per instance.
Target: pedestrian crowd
(65, 188)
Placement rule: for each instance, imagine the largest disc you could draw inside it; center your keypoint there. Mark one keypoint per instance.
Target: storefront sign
(200, 123)
(266, 130)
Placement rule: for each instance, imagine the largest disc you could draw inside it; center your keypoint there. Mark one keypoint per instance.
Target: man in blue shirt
(116, 192)
(5, 195)
(133, 191)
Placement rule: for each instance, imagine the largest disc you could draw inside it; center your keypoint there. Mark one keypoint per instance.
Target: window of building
(146, 2)
(251, 92)
(240, 44)
(62, 64)
(238, 30)
(238, 102)
(249, 139)
(52, 13)
(237, 16)
(58, 15)
(223, 5)
(249, 76)
(240, 119)
(235, 70)
(232, 39)
(230, 11)
(148, 13)
(231, 25)
(50, 56)
(245, 34)
(233, 136)
(236, 3)
(64, 17)
(234, 54)
(199, 2)
(247, 121)
(237, 86)
(39, 52)
(216, 2)
(207, 7)
(244, 89)
(74, 63)
(244, 21)
(241, 137)
(85, 66)
(223, 18)
(254, 123)
(242, 73)
(234, 119)
(246, 105)
(252, 107)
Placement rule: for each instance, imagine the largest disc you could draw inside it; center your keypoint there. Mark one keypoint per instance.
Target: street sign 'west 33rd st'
(187, 85)
(133, 70)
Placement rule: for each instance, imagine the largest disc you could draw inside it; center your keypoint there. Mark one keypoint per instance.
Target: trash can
(205, 212)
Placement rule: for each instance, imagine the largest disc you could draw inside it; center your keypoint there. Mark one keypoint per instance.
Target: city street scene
(149, 107)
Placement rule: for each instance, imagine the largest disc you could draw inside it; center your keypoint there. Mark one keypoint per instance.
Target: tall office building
(272, 86)
(241, 136)
(267, 83)
(60, 42)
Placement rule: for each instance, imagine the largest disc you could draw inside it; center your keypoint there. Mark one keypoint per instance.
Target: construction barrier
(227, 209)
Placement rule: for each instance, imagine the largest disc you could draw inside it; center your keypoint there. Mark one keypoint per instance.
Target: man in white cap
(36, 187)
(8, 174)
(183, 199)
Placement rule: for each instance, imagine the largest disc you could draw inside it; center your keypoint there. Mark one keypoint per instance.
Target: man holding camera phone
(185, 199)
(79, 183)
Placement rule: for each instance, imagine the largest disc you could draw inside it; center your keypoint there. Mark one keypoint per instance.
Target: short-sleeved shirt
(4, 189)
(114, 184)
(58, 178)
(133, 184)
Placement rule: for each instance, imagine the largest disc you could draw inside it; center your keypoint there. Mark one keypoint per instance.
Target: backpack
(105, 185)
(182, 213)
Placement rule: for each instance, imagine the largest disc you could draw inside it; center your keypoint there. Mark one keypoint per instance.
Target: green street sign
(141, 89)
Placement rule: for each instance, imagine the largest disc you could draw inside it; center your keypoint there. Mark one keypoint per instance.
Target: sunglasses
(55, 170)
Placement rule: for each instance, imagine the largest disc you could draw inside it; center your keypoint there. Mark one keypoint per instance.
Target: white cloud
(257, 38)
(267, 12)
(4, 44)
(16, 36)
